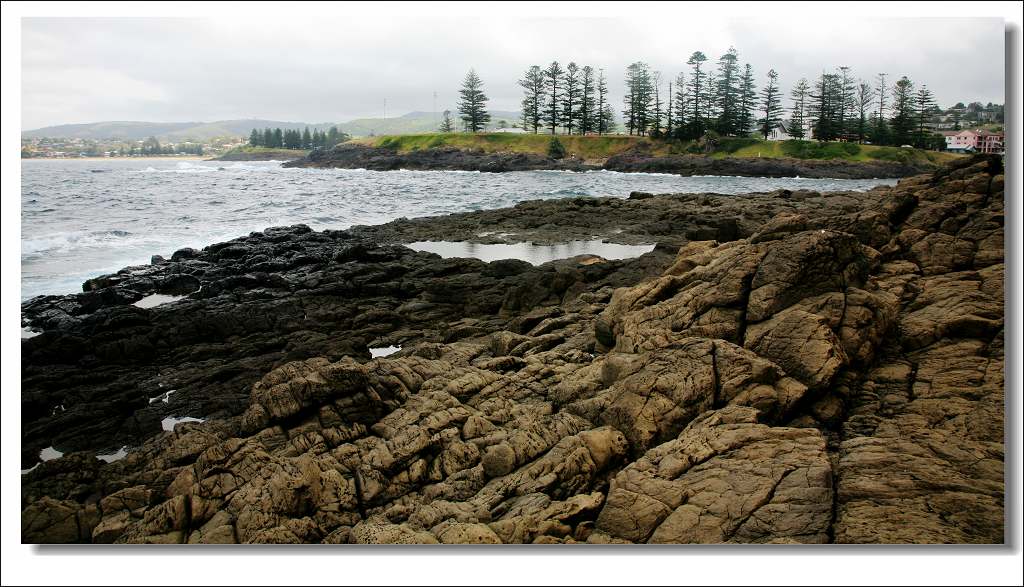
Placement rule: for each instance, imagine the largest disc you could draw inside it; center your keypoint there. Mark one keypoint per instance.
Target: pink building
(974, 141)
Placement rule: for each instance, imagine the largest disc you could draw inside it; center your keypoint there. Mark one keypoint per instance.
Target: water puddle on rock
(163, 397)
(529, 252)
(169, 423)
(154, 300)
(384, 351)
(114, 456)
(49, 453)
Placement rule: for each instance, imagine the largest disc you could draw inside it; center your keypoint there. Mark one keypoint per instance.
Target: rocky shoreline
(356, 156)
(788, 367)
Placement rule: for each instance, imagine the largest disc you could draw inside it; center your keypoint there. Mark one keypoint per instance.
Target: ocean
(84, 218)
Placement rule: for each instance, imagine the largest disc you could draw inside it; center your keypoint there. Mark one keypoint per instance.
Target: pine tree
(588, 116)
(553, 85)
(798, 121)
(656, 113)
(697, 90)
(446, 122)
(570, 103)
(607, 120)
(637, 102)
(473, 103)
(748, 97)
(902, 122)
(846, 104)
(865, 97)
(629, 109)
(669, 122)
(880, 130)
(254, 138)
(602, 103)
(726, 92)
(825, 109)
(681, 99)
(307, 139)
(268, 137)
(771, 104)
(292, 139)
(924, 102)
(533, 96)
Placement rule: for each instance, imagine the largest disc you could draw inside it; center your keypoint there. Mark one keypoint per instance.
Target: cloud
(330, 69)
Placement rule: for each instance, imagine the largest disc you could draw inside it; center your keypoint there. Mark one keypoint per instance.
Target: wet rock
(819, 368)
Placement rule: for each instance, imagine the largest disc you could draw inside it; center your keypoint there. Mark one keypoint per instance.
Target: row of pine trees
(573, 99)
(294, 139)
(722, 97)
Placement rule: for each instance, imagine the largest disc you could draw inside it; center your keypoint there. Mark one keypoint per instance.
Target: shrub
(892, 154)
(815, 150)
(733, 144)
(555, 149)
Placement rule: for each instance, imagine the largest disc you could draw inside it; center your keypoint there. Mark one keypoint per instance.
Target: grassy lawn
(588, 147)
(600, 147)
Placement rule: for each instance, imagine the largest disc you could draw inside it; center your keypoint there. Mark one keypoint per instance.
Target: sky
(331, 69)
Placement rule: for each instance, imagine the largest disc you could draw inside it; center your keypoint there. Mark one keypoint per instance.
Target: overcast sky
(332, 70)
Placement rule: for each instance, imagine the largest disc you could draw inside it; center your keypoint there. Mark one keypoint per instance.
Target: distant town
(69, 148)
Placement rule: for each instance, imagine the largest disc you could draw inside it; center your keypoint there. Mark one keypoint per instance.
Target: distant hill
(137, 131)
(413, 122)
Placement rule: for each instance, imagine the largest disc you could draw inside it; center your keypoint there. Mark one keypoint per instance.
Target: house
(974, 141)
(781, 132)
(959, 141)
(990, 142)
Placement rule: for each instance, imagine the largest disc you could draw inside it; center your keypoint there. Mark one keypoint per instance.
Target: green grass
(263, 153)
(587, 147)
(601, 147)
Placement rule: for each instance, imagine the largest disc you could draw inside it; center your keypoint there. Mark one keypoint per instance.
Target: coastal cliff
(788, 367)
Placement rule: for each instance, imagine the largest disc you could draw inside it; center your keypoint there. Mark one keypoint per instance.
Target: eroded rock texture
(824, 374)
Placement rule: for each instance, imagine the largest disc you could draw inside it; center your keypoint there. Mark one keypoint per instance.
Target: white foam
(27, 332)
(384, 351)
(170, 422)
(114, 456)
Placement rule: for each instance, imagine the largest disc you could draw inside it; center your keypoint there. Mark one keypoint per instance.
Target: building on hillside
(990, 142)
(974, 141)
(782, 132)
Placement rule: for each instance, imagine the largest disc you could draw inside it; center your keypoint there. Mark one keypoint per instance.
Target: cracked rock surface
(820, 368)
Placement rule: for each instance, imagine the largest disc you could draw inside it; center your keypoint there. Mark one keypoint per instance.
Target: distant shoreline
(161, 158)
